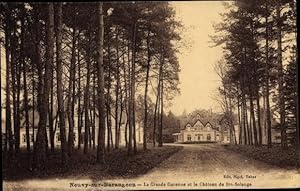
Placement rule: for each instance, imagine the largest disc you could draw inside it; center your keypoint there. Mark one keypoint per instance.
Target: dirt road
(201, 166)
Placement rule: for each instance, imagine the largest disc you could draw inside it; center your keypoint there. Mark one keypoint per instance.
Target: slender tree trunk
(51, 130)
(117, 122)
(264, 116)
(87, 96)
(26, 109)
(71, 98)
(253, 120)
(246, 127)
(258, 119)
(117, 93)
(239, 120)
(280, 78)
(134, 130)
(269, 126)
(111, 137)
(14, 65)
(231, 121)
(40, 83)
(89, 131)
(101, 105)
(59, 73)
(108, 105)
(18, 116)
(133, 87)
(33, 103)
(44, 104)
(267, 86)
(228, 108)
(25, 86)
(155, 120)
(79, 117)
(94, 112)
(120, 119)
(8, 125)
(244, 121)
(126, 96)
(249, 126)
(130, 104)
(160, 130)
(146, 93)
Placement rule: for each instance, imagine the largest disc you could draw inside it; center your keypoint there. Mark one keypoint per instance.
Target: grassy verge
(118, 165)
(286, 158)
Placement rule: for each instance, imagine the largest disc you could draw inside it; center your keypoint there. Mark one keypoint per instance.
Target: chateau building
(197, 131)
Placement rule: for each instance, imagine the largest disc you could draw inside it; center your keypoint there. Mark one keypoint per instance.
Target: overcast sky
(198, 79)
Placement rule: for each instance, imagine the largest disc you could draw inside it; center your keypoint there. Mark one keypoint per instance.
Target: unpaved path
(199, 166)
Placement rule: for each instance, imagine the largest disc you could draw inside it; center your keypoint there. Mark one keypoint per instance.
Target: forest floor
(195, 166)
(287, 158)
(118, 164)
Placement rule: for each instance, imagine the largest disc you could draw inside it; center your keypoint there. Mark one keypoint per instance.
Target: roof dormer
(208, 126)
(188, 126)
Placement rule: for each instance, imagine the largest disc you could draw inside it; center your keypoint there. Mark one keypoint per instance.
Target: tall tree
(146, 92)
(8, 128)
(100, 75)
(280, 76)
(87, 95)
(26, 105)
(267, 78)
(71, 96)
(59, 73)
(40, 151)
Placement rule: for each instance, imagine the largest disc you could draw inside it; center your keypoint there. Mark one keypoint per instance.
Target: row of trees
(259, 65)
(90, 61)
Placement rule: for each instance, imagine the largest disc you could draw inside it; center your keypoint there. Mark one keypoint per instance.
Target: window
(225, 138)
(189, 137)
(3, 139)
(200, 137)
(24, 138)
(82, 137)
(208, 126)
(30, 138)
(218, 137)
(58, 137)
(208, 137)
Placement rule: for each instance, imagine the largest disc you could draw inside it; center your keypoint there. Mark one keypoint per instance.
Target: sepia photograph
(149, 95)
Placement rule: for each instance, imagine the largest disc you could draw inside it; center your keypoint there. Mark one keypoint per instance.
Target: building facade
(57, 141)
(199, 132)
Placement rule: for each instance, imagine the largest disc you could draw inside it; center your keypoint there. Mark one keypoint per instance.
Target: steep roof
(196, 120)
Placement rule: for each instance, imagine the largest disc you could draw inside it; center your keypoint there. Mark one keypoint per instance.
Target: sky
(198, 80)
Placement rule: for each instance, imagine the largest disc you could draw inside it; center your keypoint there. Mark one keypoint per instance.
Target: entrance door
(218, 138)
(208, 137)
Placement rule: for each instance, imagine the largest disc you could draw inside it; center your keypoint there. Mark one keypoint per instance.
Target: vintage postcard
(149, 95)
